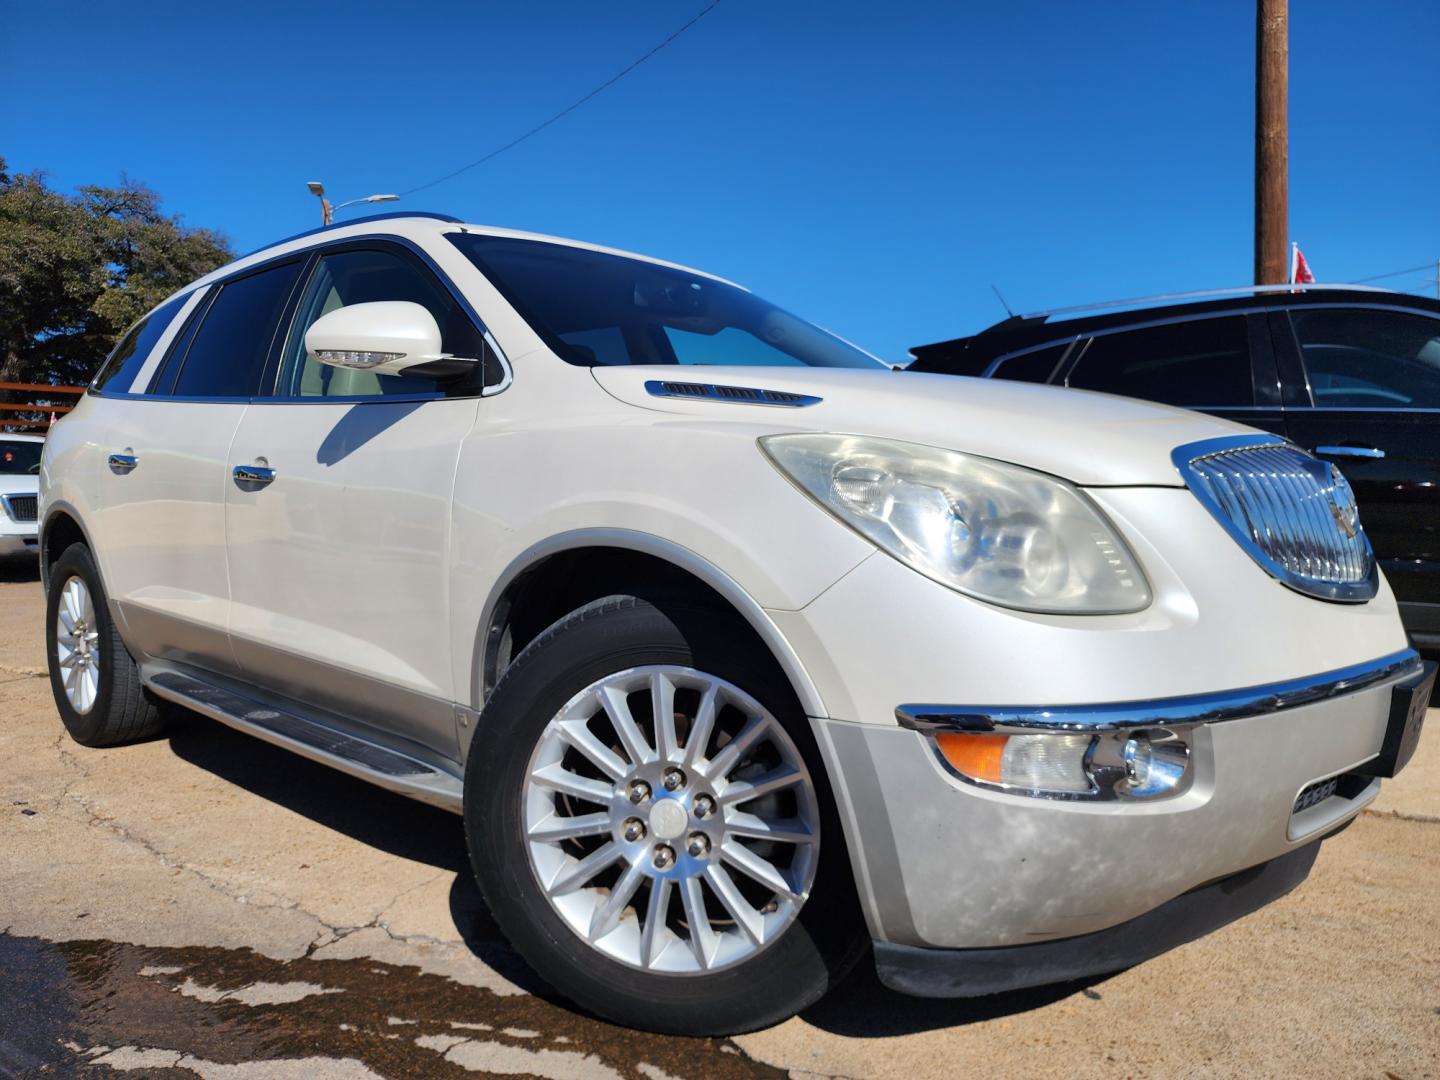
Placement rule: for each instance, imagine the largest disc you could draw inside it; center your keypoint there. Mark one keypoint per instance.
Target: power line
(568, 109)
(1395, 273)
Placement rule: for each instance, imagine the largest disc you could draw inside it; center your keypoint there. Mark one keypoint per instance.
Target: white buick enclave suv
(737, 651)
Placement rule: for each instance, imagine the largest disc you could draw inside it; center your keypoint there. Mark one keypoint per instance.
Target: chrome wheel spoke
(702, 934)
(729, 757)
(617, 708)
(556, 828)
(702, 725)
(567, 783)
(777, 779)
(653, 931)
(577, 734)
(607, 915)
(662, 697)
(758, 868)
(781, 830)
(747, 918)
(572, 877)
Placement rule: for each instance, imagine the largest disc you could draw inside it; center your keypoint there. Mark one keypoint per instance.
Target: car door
(338, 543)
(158, 525)
(1368, 384)
(1217, 363)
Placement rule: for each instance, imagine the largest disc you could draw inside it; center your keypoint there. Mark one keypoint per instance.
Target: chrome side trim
(1193, 709)
(736, 395)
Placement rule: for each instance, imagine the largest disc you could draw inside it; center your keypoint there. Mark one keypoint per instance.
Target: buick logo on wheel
(1342, 505)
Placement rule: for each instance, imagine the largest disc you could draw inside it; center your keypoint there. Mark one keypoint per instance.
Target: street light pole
(327, 212)
(1272, 191)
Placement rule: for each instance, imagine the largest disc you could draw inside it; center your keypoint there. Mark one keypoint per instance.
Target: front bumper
(22, 544)
(942, 864)
(973, 972)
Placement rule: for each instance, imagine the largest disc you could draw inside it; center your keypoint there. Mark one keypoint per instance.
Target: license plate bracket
(1408, 702)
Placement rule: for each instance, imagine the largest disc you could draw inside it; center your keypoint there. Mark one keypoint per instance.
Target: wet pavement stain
(67, 1009)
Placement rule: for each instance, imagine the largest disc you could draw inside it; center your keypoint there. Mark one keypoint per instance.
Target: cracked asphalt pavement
(207, 905)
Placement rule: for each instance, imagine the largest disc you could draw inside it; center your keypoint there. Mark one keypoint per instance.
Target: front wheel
(650, 826)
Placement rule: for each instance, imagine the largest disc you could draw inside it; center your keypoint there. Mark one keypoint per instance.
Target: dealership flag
(1299, 269)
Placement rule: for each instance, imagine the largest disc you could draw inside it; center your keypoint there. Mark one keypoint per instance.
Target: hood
(19, 484)
(1087, 438)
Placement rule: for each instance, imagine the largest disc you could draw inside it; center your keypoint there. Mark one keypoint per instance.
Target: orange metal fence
(33, 414)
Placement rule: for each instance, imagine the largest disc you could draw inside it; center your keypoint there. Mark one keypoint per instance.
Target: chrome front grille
(23, 508)
(1293, 513)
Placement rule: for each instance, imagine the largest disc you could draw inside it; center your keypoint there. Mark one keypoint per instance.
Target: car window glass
(130, 355)
(1037, 366)
(19, 457)
(1370, 359)
(227, 356)
(729, 345)
(595, 307)
(361, 277)
(1202, 362)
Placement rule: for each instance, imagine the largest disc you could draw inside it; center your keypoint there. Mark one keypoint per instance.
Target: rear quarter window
(129, 356)
(1198, 363)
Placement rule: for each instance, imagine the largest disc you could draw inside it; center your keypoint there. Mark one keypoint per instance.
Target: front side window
(367, 276)
(128, 357)
(1202, 362)
(593, 308)
(1358, 358)
(19, 457)
(226, 356)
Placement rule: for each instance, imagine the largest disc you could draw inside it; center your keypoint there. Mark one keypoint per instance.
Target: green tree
(76, 271)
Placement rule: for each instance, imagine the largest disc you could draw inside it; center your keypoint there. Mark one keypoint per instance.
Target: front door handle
(253, 475)
(1350, 451)
(123, 463)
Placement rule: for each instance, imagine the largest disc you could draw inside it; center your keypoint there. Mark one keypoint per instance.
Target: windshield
(19, 458)
(595, 309)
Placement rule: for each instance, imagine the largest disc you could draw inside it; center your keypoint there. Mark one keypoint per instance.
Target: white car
(19, 493)
(737, 650)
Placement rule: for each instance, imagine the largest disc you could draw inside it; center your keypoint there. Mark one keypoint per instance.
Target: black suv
(1352, 374)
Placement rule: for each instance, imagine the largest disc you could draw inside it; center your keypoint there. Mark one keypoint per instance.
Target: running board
(341, 750)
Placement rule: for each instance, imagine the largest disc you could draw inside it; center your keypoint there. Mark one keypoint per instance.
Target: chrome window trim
(1340, 591)
(1211, 707)
(1068, 342)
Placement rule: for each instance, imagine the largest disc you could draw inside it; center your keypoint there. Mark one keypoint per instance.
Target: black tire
(123, 710)
(611, 635)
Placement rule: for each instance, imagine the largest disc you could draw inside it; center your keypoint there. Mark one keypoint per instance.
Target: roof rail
(1242, 290)
(390, 215)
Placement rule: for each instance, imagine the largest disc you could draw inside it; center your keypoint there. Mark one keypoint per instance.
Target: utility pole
(1272, 189)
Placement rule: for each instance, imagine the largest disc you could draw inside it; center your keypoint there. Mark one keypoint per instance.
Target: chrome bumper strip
(1194, 709)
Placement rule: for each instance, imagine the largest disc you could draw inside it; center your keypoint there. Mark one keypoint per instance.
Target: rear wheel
(95, 682)
(650, 825)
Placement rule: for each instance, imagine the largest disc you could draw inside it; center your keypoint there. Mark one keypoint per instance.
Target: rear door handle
(123, 463)
(1350, 451)
(253, 475)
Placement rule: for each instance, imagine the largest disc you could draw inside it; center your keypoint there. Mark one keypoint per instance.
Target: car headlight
(993, 531)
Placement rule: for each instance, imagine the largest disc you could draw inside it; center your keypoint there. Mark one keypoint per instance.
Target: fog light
(1155, 764)
(1028, 762)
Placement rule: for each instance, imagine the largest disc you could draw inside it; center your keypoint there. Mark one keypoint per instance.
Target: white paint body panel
(367, 570)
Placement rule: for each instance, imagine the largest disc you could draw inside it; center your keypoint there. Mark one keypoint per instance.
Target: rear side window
(226, 357)
(1361, 358)
(1037, 366)
(128, 357)
(1205, 362)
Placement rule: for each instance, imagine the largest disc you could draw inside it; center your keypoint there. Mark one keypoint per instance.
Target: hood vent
(742, 395)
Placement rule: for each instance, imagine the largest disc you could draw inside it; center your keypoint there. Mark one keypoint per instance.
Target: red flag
(1299, 269)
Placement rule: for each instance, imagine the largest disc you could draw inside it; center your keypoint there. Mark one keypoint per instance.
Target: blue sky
(874, 167)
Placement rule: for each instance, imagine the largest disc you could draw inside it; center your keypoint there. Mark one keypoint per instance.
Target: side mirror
(388, 337)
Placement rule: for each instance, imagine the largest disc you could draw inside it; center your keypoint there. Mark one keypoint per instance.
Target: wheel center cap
(668, 819)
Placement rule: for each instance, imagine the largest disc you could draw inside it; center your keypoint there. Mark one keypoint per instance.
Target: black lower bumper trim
(975, 972)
